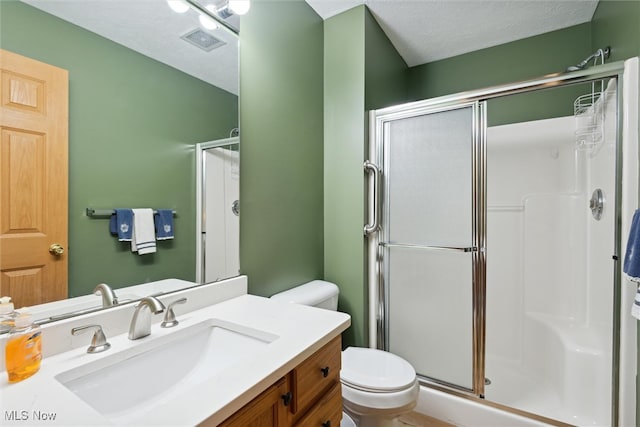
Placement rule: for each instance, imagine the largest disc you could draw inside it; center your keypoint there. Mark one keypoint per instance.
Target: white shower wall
(222, 225)
(549, 270)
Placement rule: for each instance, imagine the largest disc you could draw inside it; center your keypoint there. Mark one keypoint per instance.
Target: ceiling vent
(204, 41)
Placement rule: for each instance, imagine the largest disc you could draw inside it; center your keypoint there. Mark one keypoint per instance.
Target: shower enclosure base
(512, 387)
(548, 378)
(464, 412)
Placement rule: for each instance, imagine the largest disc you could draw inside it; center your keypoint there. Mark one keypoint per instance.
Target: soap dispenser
(7, 315)
(23, 351)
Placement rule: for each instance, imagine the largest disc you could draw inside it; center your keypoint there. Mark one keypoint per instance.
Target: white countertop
(300, 330)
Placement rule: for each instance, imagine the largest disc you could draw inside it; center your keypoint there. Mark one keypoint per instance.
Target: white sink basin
(124, 385)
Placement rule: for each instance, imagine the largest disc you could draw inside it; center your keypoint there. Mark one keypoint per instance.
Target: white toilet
(377, 386)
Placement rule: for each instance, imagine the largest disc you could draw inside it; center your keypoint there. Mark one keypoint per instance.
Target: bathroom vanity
(232, 358)
(308, 395)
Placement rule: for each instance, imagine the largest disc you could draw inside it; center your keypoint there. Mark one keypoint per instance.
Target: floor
(415, 419)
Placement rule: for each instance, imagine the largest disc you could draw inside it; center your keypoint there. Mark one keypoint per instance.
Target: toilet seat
(375, 371)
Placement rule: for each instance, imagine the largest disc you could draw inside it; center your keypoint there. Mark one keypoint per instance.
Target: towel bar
(91, 212)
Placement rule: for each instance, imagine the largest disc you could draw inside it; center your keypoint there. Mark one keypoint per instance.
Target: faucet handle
(98, 342)
(169, 316)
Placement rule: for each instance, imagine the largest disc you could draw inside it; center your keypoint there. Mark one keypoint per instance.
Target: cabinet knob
(286, 398)
(326, 423)
(325, 371)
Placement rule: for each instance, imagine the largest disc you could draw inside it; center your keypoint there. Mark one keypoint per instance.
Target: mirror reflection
(218, 204)
(141, 95)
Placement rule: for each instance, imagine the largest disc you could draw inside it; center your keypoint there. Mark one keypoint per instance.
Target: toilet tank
(317, 293)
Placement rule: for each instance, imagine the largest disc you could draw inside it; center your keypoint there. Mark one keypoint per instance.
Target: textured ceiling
(150, 27)
(421, 30)
(428, 30)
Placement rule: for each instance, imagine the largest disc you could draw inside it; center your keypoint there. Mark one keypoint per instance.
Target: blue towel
(113, 228)
(123, 224)
(163, 219)
(631, 266)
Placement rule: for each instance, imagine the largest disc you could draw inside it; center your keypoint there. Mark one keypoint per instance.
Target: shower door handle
(466, 249)
(374, 199)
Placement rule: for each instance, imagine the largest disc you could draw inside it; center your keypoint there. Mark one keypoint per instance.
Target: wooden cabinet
(266, 410)
(326, 412)
(309, 395)
(314, 378)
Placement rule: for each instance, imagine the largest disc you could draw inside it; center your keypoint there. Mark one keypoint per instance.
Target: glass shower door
(430, 242)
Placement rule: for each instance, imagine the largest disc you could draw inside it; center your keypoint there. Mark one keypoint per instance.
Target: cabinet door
(266, 410)
(316, 375)
(327, 412)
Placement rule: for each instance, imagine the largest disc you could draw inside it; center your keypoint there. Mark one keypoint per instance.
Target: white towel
(635, 309)
(144, 234)
(631, 264)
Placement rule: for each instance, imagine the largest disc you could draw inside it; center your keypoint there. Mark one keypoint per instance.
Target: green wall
(344, 154)
(281, 185)
(386, 73)
(362, 70)
(519, 60)
(133, 123)
(617, 24)
(303, 100)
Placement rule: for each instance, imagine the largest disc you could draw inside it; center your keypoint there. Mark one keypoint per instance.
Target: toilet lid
(375, 370)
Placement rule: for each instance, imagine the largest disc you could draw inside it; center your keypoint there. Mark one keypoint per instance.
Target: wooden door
(33, 179)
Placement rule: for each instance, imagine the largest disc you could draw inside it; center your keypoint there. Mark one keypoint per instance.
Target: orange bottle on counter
(23, 351)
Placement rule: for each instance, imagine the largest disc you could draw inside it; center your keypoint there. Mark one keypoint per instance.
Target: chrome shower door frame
(378, 288)
(477, 221)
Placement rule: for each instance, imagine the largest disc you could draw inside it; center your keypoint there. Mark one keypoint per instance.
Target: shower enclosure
(494, 250)
(218, 207)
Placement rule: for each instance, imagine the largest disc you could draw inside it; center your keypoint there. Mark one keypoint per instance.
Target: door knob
(56, 249)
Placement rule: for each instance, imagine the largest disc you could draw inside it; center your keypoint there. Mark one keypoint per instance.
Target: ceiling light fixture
(233, 7)
(178, 6)
(211, 17)
(240, 7)
(207, 22)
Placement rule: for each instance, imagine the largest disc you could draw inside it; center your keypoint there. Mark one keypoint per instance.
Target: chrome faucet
(109, 298)
(169, 316)
(141, 321)
(98, 341)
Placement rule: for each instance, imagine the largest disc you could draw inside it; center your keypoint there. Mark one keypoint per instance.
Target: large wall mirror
(146, 85)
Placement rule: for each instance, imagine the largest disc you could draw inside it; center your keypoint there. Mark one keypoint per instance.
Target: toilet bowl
(377, 386)
(347, 421)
